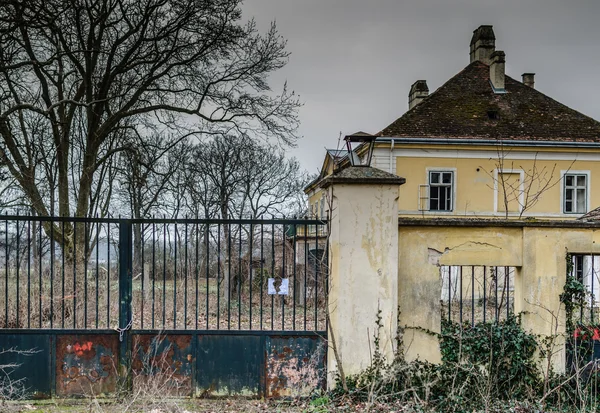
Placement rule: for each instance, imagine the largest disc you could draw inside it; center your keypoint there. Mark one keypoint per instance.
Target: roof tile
(467, 107)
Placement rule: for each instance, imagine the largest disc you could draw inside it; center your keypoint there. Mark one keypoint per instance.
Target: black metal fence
(473, 293)
(177, 274)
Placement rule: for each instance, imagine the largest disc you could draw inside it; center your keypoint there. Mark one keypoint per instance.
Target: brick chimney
(483, 44)
(418, 92)
(529, 79)
(498, 60)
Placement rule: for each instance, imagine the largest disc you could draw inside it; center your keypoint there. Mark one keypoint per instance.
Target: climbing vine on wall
(573, 295)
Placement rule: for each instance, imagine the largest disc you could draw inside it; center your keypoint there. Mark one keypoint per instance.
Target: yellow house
(485, 145)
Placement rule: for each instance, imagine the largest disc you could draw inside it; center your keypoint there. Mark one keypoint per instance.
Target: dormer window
(493, 114)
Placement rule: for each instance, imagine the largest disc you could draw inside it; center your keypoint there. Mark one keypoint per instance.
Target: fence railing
(81, 273)
(474, 293)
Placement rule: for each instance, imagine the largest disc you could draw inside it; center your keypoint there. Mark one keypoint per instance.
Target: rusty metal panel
(295, 366)
(31, 356)
(86, 364)
(229, 365)
(163, 363)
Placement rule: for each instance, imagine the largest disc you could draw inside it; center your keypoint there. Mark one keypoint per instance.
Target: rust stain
(86, 364)
(295, 369)
(163, 363)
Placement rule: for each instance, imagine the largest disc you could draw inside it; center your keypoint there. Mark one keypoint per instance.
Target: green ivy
(503, 351)
(485, 365)
(574, 293)
(495, 358)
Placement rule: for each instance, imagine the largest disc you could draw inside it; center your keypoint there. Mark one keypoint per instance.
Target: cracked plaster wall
(364, 271)
(537, 252)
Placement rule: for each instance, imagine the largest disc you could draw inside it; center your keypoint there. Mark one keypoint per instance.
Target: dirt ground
(195, 406)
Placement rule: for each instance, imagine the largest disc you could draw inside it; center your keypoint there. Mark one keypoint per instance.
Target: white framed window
(441, 190)
(575, 192)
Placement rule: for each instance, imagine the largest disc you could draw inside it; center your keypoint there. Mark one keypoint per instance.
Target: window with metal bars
(477, 293)
(586, 270)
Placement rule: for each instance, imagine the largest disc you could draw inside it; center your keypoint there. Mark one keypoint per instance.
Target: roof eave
(471, 141)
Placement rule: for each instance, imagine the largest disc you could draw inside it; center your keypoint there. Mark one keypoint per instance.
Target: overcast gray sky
(353, 61)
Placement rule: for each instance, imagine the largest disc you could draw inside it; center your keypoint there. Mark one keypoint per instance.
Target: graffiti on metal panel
(88, 364)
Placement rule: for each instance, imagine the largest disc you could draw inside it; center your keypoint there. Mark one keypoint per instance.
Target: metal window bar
(472, 295)
(585, 270)
(461, 294)
(507, 282)
(485, 295)
(495, 272)
(484, 291)
(449, 294)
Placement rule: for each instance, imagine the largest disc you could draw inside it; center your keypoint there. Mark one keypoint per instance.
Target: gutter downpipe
(392, 158)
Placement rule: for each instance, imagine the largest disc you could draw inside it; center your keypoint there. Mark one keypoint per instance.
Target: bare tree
(10, 196)
(218, 164)
(270, 182)
(526, 190)
(236, 177)
(215, 181)
(147, 181)
(78, 77)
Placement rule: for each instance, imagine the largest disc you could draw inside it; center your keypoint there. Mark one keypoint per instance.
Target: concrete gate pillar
(363, 257)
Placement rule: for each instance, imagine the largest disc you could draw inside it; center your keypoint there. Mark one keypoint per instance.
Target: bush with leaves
(502, 351)
(482, 365)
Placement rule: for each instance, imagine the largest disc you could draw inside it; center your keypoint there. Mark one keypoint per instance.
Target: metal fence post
(125, 293)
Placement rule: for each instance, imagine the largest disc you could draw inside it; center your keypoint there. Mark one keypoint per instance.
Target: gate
(193, 307)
